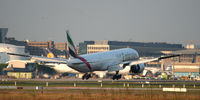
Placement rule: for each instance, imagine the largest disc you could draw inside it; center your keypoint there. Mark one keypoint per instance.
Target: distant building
(189, 56)
(144, 49)
(185, 65)
(3, 33)
(22, 65)
(60, 46)
(37, 48)
(186, 69)
(21, 69)
(190, 46)
(61, 49)
(97, 48)
(21, 75)
(48, 44)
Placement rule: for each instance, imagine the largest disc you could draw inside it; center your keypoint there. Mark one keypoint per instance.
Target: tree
(2, 66)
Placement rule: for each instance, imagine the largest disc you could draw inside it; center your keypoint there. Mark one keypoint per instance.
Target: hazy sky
(172, 21)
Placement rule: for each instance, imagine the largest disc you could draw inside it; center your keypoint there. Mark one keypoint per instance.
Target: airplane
(64, 68)
(120, 61)
(124, 60)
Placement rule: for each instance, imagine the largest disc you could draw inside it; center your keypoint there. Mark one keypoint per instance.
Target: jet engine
(136, 69)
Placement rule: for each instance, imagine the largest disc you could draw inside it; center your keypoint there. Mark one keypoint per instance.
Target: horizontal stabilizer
(19, 54)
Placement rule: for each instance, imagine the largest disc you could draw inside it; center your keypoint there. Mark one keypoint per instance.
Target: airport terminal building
(144, 49)
(187, 64)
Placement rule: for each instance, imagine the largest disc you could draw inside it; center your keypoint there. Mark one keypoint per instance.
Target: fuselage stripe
(85, 61)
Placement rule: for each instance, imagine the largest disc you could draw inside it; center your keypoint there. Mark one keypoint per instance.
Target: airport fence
(107, 84)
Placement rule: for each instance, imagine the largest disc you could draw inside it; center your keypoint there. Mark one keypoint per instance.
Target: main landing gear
(86, 76)
(117, 76)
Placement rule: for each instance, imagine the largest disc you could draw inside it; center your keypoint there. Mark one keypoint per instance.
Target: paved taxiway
(94, 84)
(97, 80)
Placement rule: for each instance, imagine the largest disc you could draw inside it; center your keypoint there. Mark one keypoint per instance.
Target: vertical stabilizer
(71, 46)
(49, 53)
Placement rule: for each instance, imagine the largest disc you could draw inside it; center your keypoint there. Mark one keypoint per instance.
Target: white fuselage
(62, 68)
(101, 61)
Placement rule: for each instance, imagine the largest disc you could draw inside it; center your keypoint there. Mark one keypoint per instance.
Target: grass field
(95, 95)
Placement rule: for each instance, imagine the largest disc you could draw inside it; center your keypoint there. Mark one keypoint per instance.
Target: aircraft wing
(150, 60)
(22, 55)
(116, 66)
(42, 59)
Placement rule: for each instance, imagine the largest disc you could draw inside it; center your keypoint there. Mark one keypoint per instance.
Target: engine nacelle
(137, 68)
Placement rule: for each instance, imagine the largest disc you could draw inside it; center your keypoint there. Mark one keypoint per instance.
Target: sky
(171, 21)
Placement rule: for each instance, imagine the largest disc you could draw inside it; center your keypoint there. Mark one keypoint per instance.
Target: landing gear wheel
(86, 76)
(114, 77)
(117, 77)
